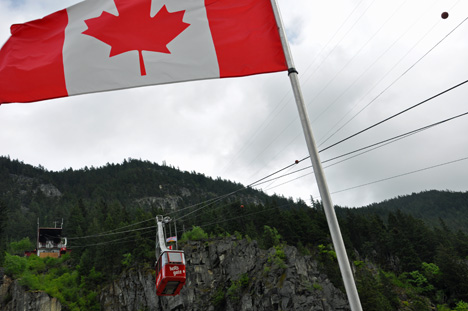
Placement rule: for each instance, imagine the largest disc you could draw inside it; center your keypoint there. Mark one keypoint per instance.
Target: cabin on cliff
(50, 242)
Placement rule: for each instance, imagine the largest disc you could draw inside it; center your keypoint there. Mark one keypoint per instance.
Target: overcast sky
(349, 54)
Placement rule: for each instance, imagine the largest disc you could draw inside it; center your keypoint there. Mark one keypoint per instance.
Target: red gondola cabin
(170, 273)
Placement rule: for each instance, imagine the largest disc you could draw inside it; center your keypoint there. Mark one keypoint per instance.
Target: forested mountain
(134, 186)
(435, 208)
(402, 261)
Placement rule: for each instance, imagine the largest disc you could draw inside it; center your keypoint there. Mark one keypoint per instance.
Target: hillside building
(50, 242)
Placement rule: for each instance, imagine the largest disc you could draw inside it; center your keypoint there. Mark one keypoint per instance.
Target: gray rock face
(49, 190)
(231, 274)
(13, 297)
(135, 290)
(169, 201)
(223, 274)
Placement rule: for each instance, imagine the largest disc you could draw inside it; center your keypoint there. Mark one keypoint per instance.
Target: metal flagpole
(333, 225)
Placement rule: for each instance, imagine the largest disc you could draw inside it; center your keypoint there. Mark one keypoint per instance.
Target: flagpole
(334, 227)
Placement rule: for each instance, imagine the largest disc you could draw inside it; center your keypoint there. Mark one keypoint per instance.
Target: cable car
(170, 267)
(170, 271)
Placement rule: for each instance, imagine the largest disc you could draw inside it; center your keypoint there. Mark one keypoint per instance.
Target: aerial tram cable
(242, 216)
(398, 137)
(219, 198)
(329, 40)
(375, 85)
(387, 74)
(294, 179)
(261, 181)
(241, 189)
(372, 65)
(344, 36)
(350, 60)
(114, 231)
(264, 179)
(364, 150)
(131, 225)
(327, 43)
(388, 178)
(108, 233)
(237, 217)
(293, 122)
(349, 137)
(151, 232)
(209, 201)
(263, 126)
(384, 77)
(404, 174)
(229, 204)
(323, 61)
(394, 81)
(115, 241)
(395, 115)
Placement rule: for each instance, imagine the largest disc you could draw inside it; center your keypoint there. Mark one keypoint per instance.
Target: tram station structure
(50, 242)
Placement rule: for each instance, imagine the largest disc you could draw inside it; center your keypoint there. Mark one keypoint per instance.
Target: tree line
(400, 261)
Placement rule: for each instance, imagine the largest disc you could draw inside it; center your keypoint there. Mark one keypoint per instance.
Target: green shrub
(127, 259)
(234, 291)
(270, 237)
(55, 277)
(278, 257)
(244, 280)
(461, 306)
(36, 264)
(443, 308)
(304, 251)
(30, 280)
(420, 282)
(219, 299)
(14, 265)
(430, 270)
(327, 252)
(19, 247)
(195, 234)
(317, 286)
(358, 263)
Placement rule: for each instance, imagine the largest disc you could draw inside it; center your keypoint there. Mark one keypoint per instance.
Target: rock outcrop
(13, 297)
(222, 274)
(230, 274)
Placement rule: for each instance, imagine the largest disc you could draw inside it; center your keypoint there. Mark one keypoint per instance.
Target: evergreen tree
(454, 273)
(77, 227)
(371, 292)
(3, 224)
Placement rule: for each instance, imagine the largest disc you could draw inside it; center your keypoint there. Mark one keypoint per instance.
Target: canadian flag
(101, 45)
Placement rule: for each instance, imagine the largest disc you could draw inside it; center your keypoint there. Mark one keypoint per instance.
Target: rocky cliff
(223, 274)
(13, 297)
(231, 274)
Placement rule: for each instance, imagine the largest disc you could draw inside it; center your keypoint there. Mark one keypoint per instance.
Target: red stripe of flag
(245, 36)
(31, 60)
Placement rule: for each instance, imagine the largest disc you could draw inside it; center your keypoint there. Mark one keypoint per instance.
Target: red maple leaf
(134, 28)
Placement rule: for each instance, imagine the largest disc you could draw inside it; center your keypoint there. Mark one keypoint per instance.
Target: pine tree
(3, 223)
